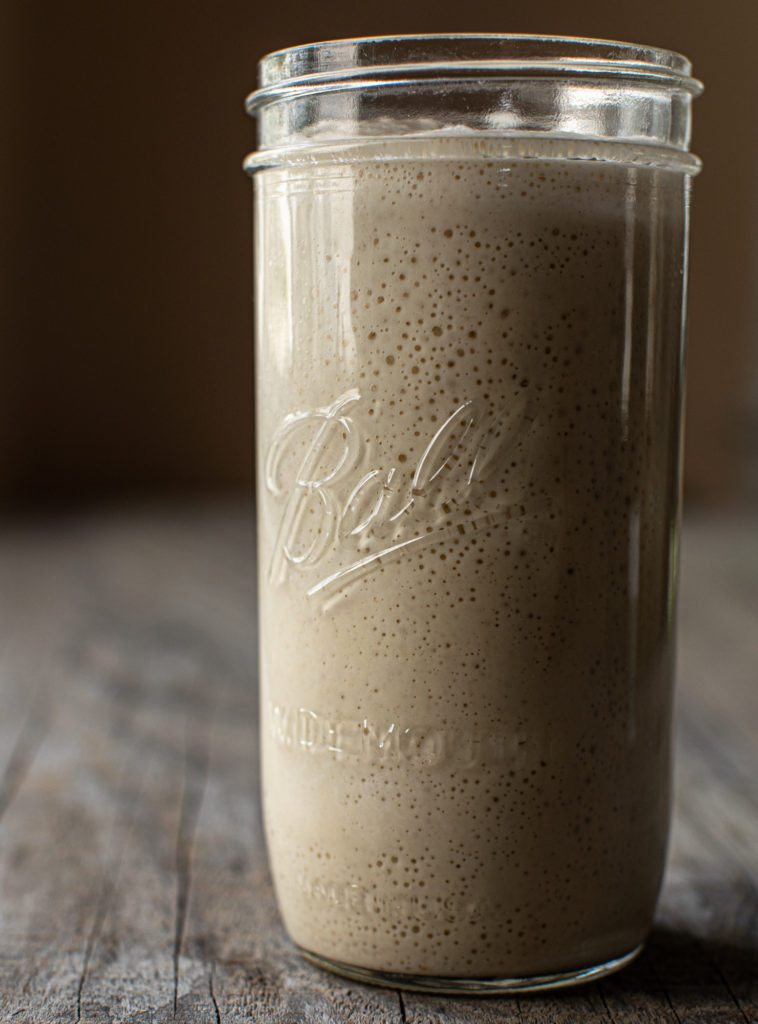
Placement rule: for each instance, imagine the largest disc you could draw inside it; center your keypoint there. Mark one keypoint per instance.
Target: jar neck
(353, 91)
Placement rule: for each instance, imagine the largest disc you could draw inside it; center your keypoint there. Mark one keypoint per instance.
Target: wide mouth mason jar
(470, 285)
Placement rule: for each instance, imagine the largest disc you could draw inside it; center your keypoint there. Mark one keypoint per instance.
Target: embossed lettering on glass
(471, 268)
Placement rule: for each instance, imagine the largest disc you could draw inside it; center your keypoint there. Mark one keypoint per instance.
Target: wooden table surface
(133, 880)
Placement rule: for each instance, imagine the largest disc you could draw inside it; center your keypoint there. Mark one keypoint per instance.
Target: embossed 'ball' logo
(334, 507)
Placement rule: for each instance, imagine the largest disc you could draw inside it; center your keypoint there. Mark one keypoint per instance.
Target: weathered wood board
(133, 879)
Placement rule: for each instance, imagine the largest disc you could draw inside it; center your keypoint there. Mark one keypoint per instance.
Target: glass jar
(471, 266)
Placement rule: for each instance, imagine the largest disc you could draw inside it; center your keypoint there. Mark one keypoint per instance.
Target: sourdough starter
(469, 396)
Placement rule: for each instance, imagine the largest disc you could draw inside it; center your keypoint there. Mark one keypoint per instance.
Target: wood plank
(174, 672)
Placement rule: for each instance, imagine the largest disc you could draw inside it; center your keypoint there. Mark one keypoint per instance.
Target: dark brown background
(125, 295)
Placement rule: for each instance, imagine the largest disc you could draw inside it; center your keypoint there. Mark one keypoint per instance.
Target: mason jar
(471, 260)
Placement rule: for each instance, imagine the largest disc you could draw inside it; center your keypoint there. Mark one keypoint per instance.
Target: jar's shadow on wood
(673, 959)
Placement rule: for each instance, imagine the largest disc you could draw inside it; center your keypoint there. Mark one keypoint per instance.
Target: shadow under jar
(471, 266)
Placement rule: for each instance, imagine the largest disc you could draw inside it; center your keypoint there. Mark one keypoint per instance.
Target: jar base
(471, 986)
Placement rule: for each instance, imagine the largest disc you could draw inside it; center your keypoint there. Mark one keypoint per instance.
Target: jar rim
(343, 63)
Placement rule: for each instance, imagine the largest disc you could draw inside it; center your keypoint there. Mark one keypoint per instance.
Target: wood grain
(133, 878)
